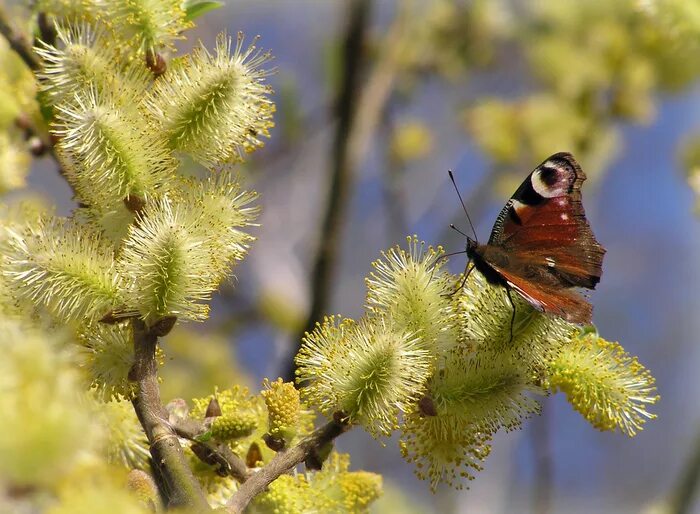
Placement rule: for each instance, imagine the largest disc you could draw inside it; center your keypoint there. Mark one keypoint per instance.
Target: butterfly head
(471, 247)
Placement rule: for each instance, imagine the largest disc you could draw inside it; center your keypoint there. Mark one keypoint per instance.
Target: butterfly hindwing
(565, 303)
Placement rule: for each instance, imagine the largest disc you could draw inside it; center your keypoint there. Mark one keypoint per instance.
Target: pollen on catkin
(489, 391)
(168, 268)
(234, 425)
(68, 10)
(367, 370)
(606, 385)
(148, 25)
(444, 448)
(127, 444)
(290, 494)
(243, 418)
(66, 268)
(106, 355)
(214, 106)
(473, 397)
(344, 491)
(360, 489)
(111, 155)
(83, 59)
(283, 408)
(225, 211)
(410, 288)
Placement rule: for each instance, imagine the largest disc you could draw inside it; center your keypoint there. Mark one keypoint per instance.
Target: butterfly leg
(467, 272)
(512, 318)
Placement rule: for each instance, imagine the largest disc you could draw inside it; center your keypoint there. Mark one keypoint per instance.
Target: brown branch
(684, 492)
(544, 469)
(178, 483)
(358, 113)
(285, 461)
(38, 145)
(17, 41)
(220, 453)
(342, 163)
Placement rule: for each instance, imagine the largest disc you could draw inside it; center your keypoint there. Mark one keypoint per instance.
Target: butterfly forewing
(544, 243)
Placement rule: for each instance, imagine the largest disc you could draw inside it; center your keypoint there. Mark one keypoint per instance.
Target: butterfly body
(541, 245)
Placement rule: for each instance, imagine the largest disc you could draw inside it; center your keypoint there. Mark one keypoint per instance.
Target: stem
(685, 489)
(221, 453)
(342, 164)
(541, 445)
(178, 483)
(17, 41)
(283, 462)
(357, 115)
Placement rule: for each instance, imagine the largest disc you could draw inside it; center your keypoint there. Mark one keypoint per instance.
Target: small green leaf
(588, 329)
(204, 438)
(195, 8)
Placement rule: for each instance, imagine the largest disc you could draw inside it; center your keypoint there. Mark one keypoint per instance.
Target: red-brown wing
(544, 224)
(566, 303)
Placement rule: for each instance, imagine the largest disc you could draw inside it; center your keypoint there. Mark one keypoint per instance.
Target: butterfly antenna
(456, 229)
(452, 178)
(447, 256)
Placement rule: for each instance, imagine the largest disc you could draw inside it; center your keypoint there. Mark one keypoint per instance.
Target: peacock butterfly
(541, 245)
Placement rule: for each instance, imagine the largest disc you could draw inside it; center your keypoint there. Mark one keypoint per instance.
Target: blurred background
(376, 100)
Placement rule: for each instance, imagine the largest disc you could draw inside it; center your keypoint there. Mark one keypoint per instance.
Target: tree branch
(285, 461)
(17, 41)
(544, 469)
(680, 500)
(228, 462)
(358, 114)
(342, 165)
(20, 44)
(178, 483)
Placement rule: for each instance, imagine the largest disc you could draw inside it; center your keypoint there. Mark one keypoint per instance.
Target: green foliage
(196, 8)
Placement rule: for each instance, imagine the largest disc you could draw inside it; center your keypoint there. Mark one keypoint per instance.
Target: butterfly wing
(545, 297)
(544, 225)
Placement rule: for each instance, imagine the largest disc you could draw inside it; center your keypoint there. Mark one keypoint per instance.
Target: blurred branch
(179, 485)
(541, 446)
(18, 42)
(357, 117)
(312, 122)
(681, 498)
(391, 181)
(343, 161)
(284, 461)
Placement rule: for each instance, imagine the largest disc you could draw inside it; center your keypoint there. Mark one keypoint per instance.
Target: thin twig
(17, 41)
(544, 469)
(685, 490)
(357, 113)
(283, 462)
(353, 57)
(179, 485)
(20, 44)
(228, 461)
